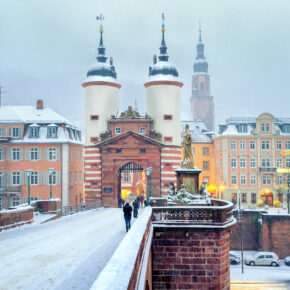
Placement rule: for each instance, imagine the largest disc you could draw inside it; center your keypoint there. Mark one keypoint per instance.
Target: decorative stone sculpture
(188, 155)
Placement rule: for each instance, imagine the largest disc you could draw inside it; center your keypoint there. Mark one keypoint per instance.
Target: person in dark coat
(135, 208)
(127, 209)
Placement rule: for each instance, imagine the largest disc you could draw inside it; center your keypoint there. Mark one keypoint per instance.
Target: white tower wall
(101, 100)
(165, 100)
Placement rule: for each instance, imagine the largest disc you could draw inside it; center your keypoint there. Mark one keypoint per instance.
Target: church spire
(200, 65)
(101, 49)
(163, 48)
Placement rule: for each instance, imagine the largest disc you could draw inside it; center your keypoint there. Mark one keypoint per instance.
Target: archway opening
(267, 197)
(132, 183)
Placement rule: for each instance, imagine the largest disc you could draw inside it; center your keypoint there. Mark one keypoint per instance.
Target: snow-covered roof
(199, 132)
(29, 114)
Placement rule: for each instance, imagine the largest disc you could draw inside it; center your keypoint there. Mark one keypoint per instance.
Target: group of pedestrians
(127, 209)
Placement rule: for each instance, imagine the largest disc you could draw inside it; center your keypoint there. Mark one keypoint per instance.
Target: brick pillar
(190, 258)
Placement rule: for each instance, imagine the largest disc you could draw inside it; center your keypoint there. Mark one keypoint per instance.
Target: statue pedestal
(189, 177)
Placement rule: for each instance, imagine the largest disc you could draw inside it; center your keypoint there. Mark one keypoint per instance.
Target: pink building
(251, 157)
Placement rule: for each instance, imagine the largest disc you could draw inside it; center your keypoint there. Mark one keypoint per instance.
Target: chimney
(39, 104)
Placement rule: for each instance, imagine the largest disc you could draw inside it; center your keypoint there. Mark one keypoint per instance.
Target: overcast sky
(47, 46)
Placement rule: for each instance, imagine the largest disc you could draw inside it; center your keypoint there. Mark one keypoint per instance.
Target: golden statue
(188, 155)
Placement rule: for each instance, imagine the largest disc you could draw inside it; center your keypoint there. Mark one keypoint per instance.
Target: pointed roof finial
(200, 32)
(163, 48)
(101, 49)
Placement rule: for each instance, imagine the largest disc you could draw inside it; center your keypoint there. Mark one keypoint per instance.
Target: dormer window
(79, 135)
(242, 128)
(75, 134)
(265, 127)
(52, 131)
(33, 131)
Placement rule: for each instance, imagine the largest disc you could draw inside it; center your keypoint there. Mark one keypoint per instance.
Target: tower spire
(101, 49)
(163, 48)
(200, 65)
(200, 32)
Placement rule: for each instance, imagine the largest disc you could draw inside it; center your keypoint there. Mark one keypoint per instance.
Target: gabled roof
(130, 133)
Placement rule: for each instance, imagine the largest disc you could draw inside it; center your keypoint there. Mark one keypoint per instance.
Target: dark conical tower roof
(200, 64)
(163, 66)
(102, 68)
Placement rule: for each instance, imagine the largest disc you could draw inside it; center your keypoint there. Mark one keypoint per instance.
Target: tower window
(167, 117)
(143, 150)
(117, 130)
(94, 117)
(118, 150)
(168, 139)
(142, 130)
(94, 139)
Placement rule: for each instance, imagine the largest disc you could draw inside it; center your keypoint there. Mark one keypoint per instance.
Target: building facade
(202, 105)
(119, 143)
(251, 158)
(36, 139)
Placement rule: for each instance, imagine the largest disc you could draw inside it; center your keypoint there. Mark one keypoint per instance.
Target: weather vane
(101, 18)
(163, 17)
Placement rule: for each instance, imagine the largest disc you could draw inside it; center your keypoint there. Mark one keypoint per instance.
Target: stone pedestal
(189, 177)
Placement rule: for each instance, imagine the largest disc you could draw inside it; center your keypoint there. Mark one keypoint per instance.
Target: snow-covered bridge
(63, 254)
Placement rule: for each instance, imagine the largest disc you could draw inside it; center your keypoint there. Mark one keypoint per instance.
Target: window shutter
(39, 154)
(57, 154)
(2, 154)
(39, 177)
(9, 178)
(9, 154)
(20, 132)
(45, 154)
(29, 133)
(37, 133)
(45, 178)
(21, 154)
(10, 132)
(27, 153)
(57, 177)
(21, 178)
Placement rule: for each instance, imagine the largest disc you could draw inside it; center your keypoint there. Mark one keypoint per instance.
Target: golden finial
(163, 26)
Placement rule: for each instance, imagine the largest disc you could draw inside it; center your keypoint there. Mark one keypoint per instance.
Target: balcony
(267, 169)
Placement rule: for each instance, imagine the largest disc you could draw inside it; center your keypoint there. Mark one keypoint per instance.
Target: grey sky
(47, 46)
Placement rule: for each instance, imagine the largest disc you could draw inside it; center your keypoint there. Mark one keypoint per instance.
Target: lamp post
(28, 174)
(50, 171)
(148, 173)
(241, 224)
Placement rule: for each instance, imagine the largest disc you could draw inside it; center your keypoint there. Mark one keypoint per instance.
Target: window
(80, 155)
(265, 145)
(16, 178)
(266, 162)
(234, 180)
(34, 154)
(244, 197)
(76, 177)
(234, 197)
(279, 179)
(252, 145)
(34, 178)
(205, 165)
(205, 151)
(118, 150)
(33, 132)
(233, 145)
(265, 127)
(242, 145)
(2, 154)
(53, 178)
(127, 177)
(168, 139)
(167, 117)
(15, 132)
(285, 128)
(117, 130)
(143, 150)
(233, 162)
(51, 153)
(279, 162)
(15, 200)
(76, 154)
(51, 132)
(288, 162)
(70, 178)
(71, 154)
(80, 175)
(2, 132)
(94, 117)
(242, 162)
(2, 179)
(253, 180)
(15, 154)
(242, 128)
(253, 198)
(287, 145)
(279, 145)
(142, 130)
(69, 133)
(253, 163)
(266, 180)
(243, 180)
(1, 203)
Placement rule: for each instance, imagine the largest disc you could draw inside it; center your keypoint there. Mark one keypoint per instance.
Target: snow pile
(118, 271)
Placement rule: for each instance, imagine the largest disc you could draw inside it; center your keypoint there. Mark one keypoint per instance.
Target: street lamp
(50, 171)
(28, 174)
(148, 173)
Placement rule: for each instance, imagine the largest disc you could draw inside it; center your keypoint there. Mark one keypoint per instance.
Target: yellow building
(203, 149)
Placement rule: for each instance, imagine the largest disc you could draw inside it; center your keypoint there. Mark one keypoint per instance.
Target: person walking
(127, 209)
(135, 208)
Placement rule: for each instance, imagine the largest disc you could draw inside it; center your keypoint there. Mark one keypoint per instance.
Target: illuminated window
(244, 197)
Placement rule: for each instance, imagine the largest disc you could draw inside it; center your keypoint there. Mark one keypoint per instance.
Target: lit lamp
(148, 173)
(28, 175)
(50, 171)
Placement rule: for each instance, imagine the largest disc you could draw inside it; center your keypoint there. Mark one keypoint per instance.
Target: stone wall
(15, 217)
(48, 206)
(190, 258)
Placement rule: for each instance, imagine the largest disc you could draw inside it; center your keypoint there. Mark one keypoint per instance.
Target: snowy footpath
(68, 253)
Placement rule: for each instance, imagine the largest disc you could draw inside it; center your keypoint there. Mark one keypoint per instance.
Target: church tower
(163, 96)
(202, 105)
(101, 95)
